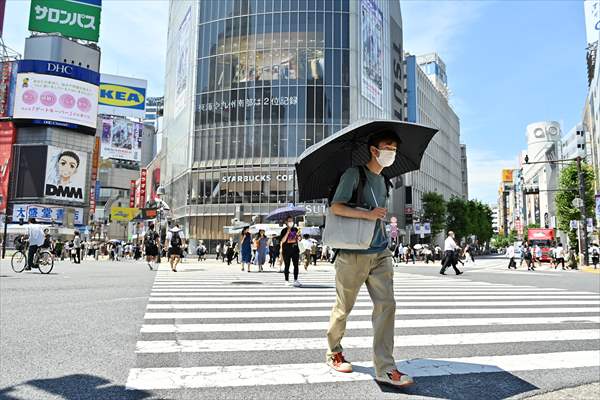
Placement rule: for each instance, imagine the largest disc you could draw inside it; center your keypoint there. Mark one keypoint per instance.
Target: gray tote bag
(348, 233)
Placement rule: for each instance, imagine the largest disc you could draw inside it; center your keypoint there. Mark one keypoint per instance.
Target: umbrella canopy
(283, 213)
(321, 164)
(417, 247)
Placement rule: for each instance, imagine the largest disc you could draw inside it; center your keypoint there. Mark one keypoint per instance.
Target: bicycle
(42, 258)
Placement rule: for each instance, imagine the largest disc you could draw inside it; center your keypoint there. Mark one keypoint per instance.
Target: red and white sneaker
(339, 363)
(396, 378)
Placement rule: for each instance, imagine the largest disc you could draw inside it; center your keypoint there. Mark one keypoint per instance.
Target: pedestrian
(77, 248)
(560, 256)
(468, 253)
(175, 240)
(151, 246)
(521, 254)
(528, 257)
(304, 247)
(510, 254)
(572, 259)
(218, 250)
(595, 252)
(538, 254)
(273, 250)
(289, 250)
(314, 249)
(262, 248)
(201, 251)
(373, 266)
(450, 255)
(246, 247)
(36, 238)
(230, 253)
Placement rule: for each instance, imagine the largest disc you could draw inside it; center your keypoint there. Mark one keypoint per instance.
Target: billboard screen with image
(65, 174)
(121, 139)
(371, 23)
(55, 98)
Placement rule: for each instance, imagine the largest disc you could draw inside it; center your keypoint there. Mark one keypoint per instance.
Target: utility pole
(583, 225)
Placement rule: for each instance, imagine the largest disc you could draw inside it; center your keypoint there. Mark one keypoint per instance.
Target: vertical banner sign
(182, 63)
(598, 208)
(143, 175)
(7, 139)
(8, 80)
(371, 25)
(75, 19)
(94, 177)
(592, 20)
(132, 193)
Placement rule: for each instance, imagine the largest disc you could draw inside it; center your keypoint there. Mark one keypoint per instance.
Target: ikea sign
(121, 96)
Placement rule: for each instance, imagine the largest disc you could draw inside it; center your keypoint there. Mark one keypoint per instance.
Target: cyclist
(36, 239)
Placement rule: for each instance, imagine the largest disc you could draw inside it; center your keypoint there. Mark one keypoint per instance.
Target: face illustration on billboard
(65, 174)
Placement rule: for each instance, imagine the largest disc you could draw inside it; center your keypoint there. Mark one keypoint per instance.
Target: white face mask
(290, 224)
(386, 157)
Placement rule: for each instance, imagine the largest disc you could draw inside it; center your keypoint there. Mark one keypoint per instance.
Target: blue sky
(509, 63)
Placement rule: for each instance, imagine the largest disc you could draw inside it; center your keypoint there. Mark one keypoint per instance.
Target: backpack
(175, 240)
(595, 252)
(357, 196)
(151, 238)
(527, 254)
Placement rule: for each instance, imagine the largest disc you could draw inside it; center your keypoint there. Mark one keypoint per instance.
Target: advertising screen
(65, 174)
(76, 19)
(7, 138)
(182, 62)
(8, 80)
(122, 96)
(54, 98)
(121, 139)
(371, 23)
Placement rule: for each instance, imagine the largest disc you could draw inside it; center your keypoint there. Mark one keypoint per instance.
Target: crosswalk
(209, 327)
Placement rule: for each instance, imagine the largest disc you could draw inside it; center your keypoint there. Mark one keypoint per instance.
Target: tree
(568, 184)
(434, 211)
(456, 219)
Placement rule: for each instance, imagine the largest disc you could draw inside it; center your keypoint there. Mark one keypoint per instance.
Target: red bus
(542, 237)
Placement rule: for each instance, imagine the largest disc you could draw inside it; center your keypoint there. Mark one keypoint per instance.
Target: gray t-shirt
(374, 195)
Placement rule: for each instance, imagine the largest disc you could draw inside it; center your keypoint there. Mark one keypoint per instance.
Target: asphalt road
(115, 330)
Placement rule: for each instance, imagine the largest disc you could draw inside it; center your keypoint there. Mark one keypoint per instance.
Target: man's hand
(376, 213)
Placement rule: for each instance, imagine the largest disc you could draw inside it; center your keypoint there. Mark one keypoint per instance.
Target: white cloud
(437, 25)
(133, 37)
(484, 169)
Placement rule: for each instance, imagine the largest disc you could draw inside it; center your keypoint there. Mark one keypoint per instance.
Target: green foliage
(470, 217)
(434, 210)
(502, 241)
(569, 180)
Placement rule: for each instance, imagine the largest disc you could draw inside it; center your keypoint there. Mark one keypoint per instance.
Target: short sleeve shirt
(374, 195)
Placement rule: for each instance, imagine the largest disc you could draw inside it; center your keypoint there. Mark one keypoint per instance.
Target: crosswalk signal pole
(583, 234)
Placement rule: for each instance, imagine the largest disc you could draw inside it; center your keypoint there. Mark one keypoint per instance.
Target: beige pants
(377, 272)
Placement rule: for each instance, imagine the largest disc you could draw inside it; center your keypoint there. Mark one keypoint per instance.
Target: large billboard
(55, 98)
(7, 139)
(182, 61)
(122, 96)
(507, 175)
(75, 19)
(65, 174)
(371, 52)
(592, 20)
(122, 139)
(45, 213)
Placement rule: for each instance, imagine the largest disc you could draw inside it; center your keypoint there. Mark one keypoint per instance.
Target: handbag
(348, 233)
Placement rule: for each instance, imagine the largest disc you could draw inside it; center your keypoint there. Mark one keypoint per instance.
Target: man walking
(450, 258)
(510, 254)
(175, 239)
(372, 267)
(77, 247)
(36, 236)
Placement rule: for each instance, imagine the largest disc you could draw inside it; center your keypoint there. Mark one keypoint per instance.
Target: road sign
(573, 224)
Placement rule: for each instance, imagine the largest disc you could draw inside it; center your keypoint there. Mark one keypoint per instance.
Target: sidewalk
(583, 392)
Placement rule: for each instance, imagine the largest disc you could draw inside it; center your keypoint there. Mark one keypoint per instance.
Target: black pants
(30, 254)
(291, 253)
(560, 261)
(512, 263)
(448, 261)
(77, 258)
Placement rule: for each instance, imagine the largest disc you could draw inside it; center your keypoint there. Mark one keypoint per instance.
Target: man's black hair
(71, 154)
(385, 136)
(32, 220)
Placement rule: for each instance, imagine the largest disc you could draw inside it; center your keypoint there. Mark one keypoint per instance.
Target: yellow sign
(123, 214)
(507, 175)
(121, 96)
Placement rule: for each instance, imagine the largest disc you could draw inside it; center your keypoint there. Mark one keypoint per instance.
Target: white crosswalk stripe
(217, 311)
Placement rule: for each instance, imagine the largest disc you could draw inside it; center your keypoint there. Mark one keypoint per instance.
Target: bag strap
(357, 194)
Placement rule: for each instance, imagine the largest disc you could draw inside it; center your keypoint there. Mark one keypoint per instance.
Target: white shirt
(36, 234)
(170, 235)
(559, 252)
(450, 244)
(510, 251)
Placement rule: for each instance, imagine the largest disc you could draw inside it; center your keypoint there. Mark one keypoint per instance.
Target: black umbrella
(321, 164)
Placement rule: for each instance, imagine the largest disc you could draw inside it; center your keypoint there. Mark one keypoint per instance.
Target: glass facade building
(262, 81)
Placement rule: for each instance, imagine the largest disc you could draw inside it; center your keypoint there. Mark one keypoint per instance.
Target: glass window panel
(235, 35)
(337, 5)
(256, 143)
(318, 133)
(218, 144)
(285, 4)
(337, 102)
(320, 30)
(274, 141)
(260, 25)
(269, 6)
(337, 67)
(268, 31)
(302, 29)
(311, 29)
(265, 141)
(328, 5)
(276, 41)
(214, 40)
(328, 104)
(276, 5)
(292, 108)
(285, 34)
(300, 140)
(345, 68)
(261, 6)
(312, 5)
(345, 106)
(328, 67)
(283, 141)
(319, 104)
(214, 11)
(337, 30)
(320, 5)
(301, 106)
(240, 142)
(309, 138)
(221, 37)
(345, 6)
(328, 30)
(229, 7)
(345, 31)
